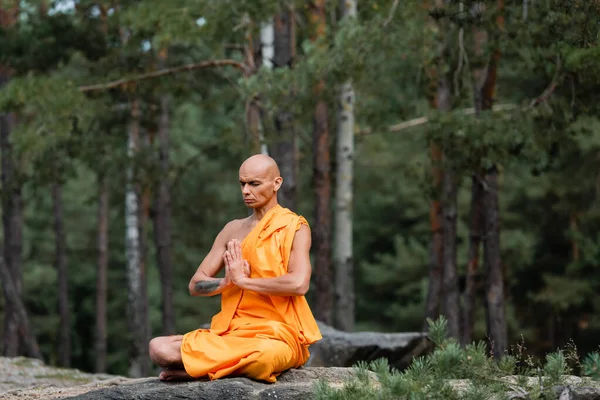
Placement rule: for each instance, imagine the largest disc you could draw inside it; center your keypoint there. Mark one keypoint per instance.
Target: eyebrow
(250, 181)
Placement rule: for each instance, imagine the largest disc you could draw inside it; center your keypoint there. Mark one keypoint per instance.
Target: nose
(246, 189)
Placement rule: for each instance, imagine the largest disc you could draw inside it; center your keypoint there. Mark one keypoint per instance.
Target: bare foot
(173, 375)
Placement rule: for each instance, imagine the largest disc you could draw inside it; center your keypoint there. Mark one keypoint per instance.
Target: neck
(259, 212)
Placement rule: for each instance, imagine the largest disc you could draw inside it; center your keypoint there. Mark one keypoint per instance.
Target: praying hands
(236, 268)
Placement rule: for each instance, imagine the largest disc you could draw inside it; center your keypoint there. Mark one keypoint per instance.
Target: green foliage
(591, 365)
(438, 330)
(455, 372)
(556, 366)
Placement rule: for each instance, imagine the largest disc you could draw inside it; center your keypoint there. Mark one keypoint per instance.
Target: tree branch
(550, 89)
(162, 72)
(424, 120)
(391, 14)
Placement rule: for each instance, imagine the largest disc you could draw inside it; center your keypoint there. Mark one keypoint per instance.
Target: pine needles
(452, 372)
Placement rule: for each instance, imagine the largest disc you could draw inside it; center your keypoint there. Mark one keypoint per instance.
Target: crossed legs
(165, 351)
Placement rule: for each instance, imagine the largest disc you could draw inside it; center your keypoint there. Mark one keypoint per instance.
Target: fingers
(246, 268)
(235, 249)
(230, 247)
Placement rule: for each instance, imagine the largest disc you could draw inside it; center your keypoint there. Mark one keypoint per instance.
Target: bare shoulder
(228, 232)
(234, 225)
(303, 236)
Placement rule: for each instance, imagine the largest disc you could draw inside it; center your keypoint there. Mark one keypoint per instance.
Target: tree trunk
(253, 59)
(100, 339)
(135, 273)
(496, 321)
(451, 303)
(481, 88)
(285, 147)
(64, 341)
(344, 270)
(267, 49)
(439, 94)
(574, 228)
(12, 219)
(101, 274)
(13, 301)
(162, 220)
(436, 260)
(143, 216)
(475, 226)
(322, 184)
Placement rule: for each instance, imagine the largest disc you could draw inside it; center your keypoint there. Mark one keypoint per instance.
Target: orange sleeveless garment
(256, 335)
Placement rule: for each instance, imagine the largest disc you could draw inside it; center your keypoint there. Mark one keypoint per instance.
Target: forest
(444, 152)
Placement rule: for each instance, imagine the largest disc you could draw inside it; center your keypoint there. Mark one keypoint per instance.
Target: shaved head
(260, 180)
(260, 165)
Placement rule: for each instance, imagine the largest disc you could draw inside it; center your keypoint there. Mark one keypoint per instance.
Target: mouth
(247, 201)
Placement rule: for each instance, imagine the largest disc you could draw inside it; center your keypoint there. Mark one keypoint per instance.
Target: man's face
(258, 187)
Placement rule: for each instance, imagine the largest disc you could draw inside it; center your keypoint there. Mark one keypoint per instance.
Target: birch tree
(135, 274)
(344, 270)
(267, 49)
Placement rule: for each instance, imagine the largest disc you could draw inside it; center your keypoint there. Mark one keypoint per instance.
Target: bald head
(260, 181)
(260, 165)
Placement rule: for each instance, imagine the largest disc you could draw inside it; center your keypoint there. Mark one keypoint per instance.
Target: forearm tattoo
(205, 287)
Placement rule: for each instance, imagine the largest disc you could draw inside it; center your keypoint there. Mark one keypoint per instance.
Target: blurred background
(445, 154)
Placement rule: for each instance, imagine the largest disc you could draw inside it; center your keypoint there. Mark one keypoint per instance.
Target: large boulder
(344, 349)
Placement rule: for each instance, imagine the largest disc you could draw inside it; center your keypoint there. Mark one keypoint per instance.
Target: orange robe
(256, 335)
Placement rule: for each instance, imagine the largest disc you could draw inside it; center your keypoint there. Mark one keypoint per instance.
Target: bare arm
(295, 283)
(204, 283)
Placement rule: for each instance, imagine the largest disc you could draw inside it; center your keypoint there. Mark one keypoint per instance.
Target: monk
(265, 325)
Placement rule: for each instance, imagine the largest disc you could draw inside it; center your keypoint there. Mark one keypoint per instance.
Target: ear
(277, 183)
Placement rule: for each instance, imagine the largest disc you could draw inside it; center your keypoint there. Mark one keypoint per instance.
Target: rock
(344, 349)
(32, 380)
(22, 372)
(571, 387)
(298, 384)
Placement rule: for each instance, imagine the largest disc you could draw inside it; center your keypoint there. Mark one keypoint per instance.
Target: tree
(162, 214)
(102, 250)
(344, 271)
(496, 319)
(12, 213)
(101, 274)
(285, 146)
(436, 222)
(64, 337)
(137, 303)
(13, 299)
(324, 304)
